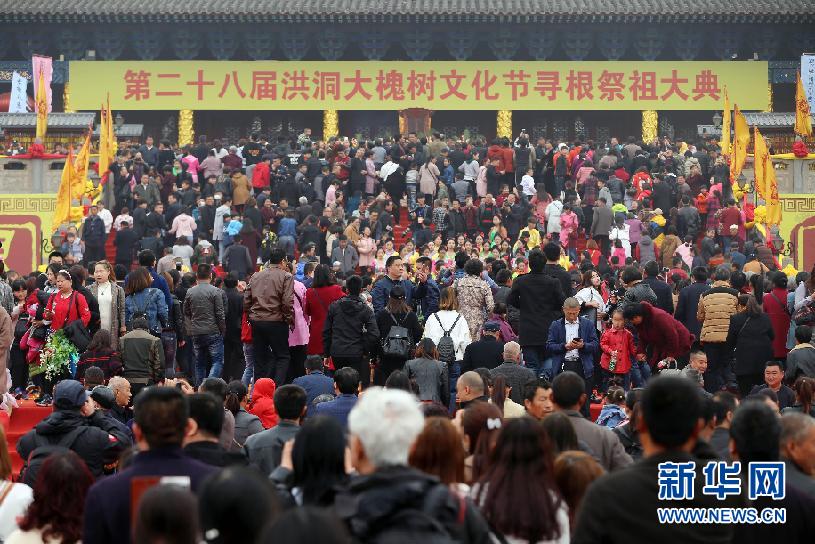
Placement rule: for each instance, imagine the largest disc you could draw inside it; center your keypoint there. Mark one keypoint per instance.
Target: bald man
(470, 389)
(516, 375)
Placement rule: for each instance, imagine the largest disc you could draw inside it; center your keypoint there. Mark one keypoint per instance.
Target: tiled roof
(771, 119)
(55, 120)
(258, 11)
(128, 130)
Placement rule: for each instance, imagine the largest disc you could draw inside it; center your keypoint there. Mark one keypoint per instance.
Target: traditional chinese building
(362, 32)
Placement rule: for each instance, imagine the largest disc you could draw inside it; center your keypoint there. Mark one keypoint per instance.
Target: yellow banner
(355, 85)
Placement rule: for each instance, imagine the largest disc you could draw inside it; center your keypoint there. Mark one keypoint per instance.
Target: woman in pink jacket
(366, 247)
(298, 338)
(192, 164)
(183, 225)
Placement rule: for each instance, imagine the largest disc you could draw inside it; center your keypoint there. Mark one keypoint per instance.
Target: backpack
(397, 343)
(805, 315)
(46, 448)
(446, 346)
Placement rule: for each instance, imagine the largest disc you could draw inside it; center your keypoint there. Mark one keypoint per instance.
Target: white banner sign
(19, 98)
(808, 78)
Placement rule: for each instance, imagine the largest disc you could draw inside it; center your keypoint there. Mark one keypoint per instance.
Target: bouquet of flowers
(57, 358)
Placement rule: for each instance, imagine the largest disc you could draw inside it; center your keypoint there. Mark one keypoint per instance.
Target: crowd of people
(402, 339)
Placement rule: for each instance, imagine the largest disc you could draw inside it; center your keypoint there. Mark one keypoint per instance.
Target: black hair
(803, 333)
(214, 386)
(651, 269)
(537, 260)
(235, 505)
(391, 260)
(230, 281)
(290, 401)
(208, 412)
(461, 259)
(756, 432)
(671, 407)
(774, 362)
(161, 413)
(561, 432)
(473, 267)
(354, 285)
(635, 309)
(780, 279)
(347, 380)
(306, 525)
(531, 387)
(146, 258)
(314, 362)
(631, 273)
(167, 513)
(724, 402)
(236, 392)
(398, 379)
(567, 388)
(276, 255)
(551, 251)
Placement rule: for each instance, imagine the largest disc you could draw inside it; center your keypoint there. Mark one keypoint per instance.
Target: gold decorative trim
(331, 124)
(66, 98)
(503, 124)
(769, 97)
(650, 122)
(186, 127)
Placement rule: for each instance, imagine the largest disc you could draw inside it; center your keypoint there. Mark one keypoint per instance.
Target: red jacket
(621, 340)
(496, 152)
(262, 402)
(508, 159)
(260, 176)
(666, 336)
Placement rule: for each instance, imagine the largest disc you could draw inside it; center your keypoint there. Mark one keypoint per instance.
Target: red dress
(317, 302)
(779, 318)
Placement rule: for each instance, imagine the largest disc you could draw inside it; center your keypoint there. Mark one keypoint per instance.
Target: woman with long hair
(438, 451)
(804, 388)
(246, 424)
(517, 494)
(396, 313)
(167, 513)
(500, 397)
(314, 467)
(56, 515)
(479, 425)
(574, 472)
(591, 300)
(140, 298)
(323, 291)
(750, 343)
(111, 299)
(100, 353)
(432, 377)
(449, 320)
(366, 247)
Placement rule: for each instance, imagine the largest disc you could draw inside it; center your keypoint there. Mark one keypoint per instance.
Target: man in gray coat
(601, 222)
(516, 375)
(346, 255)
(265, 449)
(569, 394)
(206, 324)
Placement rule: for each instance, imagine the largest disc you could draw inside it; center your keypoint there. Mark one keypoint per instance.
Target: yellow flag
(104, 147)
(41, 105)
(725, 142)
(80, 167)
(62, 209)
(113, 145)
(803, 115)
(740, 142)
(765, 181)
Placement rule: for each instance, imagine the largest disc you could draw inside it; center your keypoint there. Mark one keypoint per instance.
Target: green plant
(57, 357)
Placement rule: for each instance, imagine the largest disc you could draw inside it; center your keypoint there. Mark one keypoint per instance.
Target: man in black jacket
(125, 242)
(663, 291)
(554, 270)
(233, 349)
(76, 425)
(540, 300)
(350, 330)
(486, 352)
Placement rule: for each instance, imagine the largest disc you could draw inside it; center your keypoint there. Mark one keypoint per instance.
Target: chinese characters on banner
(721, 479)
(213, 85)
(808, 78)
(19, 99)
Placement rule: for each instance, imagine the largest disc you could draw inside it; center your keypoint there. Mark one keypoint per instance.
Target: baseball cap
(492, 326)
(69, 395)
(103, 395)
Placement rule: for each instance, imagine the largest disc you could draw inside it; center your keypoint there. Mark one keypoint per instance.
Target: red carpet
(23, 420)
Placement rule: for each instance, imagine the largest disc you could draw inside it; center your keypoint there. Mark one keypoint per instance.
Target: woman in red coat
(775, 306)
(319, 297)
(658, 330)
(66, 305)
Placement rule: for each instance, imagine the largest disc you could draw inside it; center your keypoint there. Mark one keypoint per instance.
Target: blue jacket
(382, 290)
(428, 294)
(109, 498)
(557, 340)
(339, 408)
(315, 384)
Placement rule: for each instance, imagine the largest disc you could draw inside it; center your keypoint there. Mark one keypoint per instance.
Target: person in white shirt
(387, 169)
(528, 184)
(107, 217)
(125, 216)
(449, 319)
(552, 213)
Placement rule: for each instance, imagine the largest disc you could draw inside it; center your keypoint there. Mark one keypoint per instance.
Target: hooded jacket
(98, 443)
(646, 249)
(349, 328)
(665, 335)
(262, 402)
